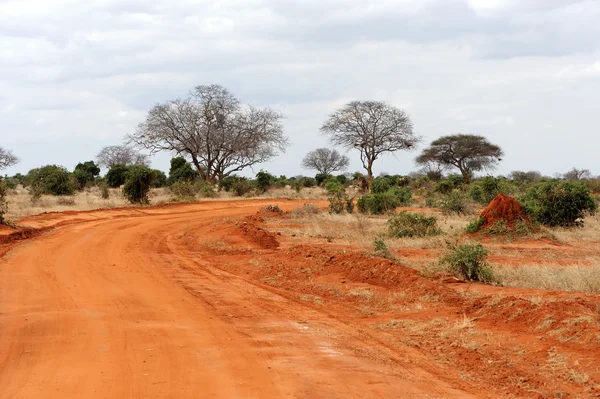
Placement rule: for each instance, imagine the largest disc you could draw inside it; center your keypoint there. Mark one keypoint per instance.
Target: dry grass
(551, 277)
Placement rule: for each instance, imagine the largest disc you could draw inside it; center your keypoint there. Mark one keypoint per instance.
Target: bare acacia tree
(577, 174)
(7, 159)
(466, 152)
(120, 155)
(325, 161)
(371, 127)
(212, 129)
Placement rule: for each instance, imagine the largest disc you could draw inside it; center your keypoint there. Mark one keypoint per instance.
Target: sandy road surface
(109, 308)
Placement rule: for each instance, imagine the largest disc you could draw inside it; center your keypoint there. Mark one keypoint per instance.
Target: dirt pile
(503, 209)
(252, 230)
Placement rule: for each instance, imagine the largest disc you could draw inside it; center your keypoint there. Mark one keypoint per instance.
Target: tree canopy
(371, 127)
(325, 161)
(121, 155)
(466, 152)
(212, 129)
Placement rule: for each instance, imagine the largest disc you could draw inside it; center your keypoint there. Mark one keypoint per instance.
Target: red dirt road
(110, 306)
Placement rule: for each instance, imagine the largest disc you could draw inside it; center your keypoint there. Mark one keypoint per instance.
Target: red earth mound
(250, 228)
(503, 208)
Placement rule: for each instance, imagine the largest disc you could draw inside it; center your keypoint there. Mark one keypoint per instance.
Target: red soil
(503, 208)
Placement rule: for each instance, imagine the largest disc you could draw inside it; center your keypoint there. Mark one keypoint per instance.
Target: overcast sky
(78, 75)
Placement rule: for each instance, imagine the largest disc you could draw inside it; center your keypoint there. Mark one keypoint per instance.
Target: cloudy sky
(78, 75)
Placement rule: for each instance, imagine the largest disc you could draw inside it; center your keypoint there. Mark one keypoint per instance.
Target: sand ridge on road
(105, 306)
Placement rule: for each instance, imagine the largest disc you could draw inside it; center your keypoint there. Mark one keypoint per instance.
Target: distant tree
(115, 177)
(577, 174)
(466, 152)
(138, 181)
(325, 161)
(181, 170)
(85, 173)
(214, 130)
(433, 170)
(7, 159)
(121, 155)
(373, 128)
(51, 180)
(159, 180)
(521, 177)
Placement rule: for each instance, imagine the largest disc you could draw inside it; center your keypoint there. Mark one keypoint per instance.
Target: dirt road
(112, 307)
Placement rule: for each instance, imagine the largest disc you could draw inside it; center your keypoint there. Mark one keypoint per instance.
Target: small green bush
(104, 192)
(475, 225)
(380, 185)
(116, 176)
(498, 229)
(447, 185)
(184, 189)
(264, 181)
(337, 205)
(321, 178)
(469, 261)
(558, 203)
(333, 187)
(308, 182)
(241, 187)
(349, 205)
(402, 194)
(485, 190)
(381, 249)
(181, 170)
(406, 224)
(377, 204)
(454, 203)
(160, 179)
(10, 183)
(137, 184)
(51, 180)
(3, 201)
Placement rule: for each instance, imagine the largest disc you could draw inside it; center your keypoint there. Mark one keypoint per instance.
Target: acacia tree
(7, 159)
(121, 155)
(466, 152)
(325, 161)
(212, 129)
(371, 127)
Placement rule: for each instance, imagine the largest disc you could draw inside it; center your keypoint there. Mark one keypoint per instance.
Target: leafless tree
(212, 129)
(466, 152)
(433, 170)
(371, 127)
(577, 174)
(121, 155)
(520, 176)
(7, 159)
(325, 161)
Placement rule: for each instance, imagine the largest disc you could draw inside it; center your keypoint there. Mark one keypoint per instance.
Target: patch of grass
(575, 278)
(469, 262)
(474, 226)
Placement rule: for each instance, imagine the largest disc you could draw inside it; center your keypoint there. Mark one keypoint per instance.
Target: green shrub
(184, 189)
(160, 179)
(241, 187)
(86, 173)
(115, 177)
(181, 170)
(498, 229)
(381, 249)
(447, 185)
(475, 225)
(51, 180)
(308, 182)
(402, 194)
(264, 181)
(377, 204)
(333, 187)
(485, 190)
(406, 224)
(558, 203)
(469, 261)
(3, 201)
(137, 184)
(337, 205)
(454, 203)
(10, 183)
(342, 179)
(228, 182)
(349, 205)
(321, 178)
(380, 185)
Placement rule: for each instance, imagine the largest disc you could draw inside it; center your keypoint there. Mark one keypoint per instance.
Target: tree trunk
(466, 175)
(370, 174)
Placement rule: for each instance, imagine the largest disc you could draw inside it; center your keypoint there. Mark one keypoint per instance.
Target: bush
(228, 182)
(104, 192)
(264, 181)
(402, 194)
(241, 187)
(307, 209)
(381, 249)
(449, 184)
(10, 183)
(3, 201)
(469, 261)
(51, 180)
(454, 203)
(181, 170)
(377, 204)
(406, 224)
(184, 189)
(333, 187)
(485, 190)
(308, 182)
(380, 185)
(342, 179)
(86, 173)
(160, 179)
(475, 225)
(558, 203)
(321, 178)
(115, 177)
(137, 184)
